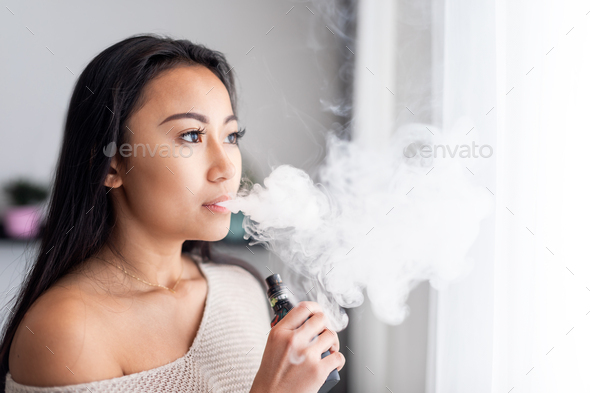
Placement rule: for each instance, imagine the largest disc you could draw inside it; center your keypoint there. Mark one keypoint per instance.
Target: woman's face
(165, 188)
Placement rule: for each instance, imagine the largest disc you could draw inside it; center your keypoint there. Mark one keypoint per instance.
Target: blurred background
(292, 63)
(304, 68)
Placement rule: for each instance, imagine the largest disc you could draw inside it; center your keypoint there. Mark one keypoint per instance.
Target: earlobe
(113, 179)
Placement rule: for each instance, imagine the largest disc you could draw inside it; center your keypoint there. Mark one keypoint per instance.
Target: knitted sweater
(225, 354)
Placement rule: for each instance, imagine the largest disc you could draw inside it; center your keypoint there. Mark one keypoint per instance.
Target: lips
(218, 199)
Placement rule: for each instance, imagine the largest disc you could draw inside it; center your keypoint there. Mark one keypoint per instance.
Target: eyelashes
(199, 132)
(241, 132)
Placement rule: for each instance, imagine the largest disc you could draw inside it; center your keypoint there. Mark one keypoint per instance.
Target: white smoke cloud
(377, 220)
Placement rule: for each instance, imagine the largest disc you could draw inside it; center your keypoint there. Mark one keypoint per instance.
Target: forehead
(182, 88)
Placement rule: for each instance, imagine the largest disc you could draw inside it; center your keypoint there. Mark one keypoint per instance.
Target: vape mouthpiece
(275, 279)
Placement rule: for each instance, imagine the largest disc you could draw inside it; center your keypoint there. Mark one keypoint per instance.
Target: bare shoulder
(58, 342)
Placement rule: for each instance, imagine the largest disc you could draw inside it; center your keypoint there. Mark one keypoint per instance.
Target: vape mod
(279, 301)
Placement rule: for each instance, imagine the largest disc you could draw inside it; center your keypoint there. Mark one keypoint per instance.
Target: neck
(152, 258)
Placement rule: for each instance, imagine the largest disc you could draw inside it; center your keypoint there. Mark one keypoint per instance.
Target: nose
(221, 166)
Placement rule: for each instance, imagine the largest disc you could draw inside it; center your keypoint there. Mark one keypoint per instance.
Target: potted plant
(22, 220)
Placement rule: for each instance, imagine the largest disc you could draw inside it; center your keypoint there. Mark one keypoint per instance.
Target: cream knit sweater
(225, 354)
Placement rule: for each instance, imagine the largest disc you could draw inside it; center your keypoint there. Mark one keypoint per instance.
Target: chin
(214, 236)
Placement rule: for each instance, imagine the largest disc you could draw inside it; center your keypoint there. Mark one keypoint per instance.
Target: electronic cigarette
(280, 303)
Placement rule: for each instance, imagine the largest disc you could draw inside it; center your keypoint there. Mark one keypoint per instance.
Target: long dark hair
(80, 215)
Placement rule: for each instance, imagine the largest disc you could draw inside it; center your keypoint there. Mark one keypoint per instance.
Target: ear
(113, 179)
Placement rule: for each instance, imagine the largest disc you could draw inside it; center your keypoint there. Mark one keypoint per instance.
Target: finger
(299, 314)
(313, 326)
(336, 345)
(324, 342)
(333, 361)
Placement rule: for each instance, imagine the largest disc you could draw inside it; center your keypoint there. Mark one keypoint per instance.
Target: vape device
(280, 303)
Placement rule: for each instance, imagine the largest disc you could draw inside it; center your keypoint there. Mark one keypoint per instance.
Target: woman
(125, 293)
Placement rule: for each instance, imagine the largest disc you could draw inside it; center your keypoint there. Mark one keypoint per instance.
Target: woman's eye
(233, 138)
(192, 136)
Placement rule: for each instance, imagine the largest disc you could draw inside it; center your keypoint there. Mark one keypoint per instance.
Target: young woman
(125, 293)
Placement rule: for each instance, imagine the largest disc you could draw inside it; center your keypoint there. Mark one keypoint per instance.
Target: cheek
(157, 187)
(167, 192)
(237, 160)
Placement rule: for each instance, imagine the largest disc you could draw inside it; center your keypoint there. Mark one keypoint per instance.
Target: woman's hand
(292, 357)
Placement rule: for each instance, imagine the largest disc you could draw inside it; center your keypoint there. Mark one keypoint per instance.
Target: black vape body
(280, 303)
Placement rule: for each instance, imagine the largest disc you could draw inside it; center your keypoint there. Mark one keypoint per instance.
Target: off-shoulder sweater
(225, 354)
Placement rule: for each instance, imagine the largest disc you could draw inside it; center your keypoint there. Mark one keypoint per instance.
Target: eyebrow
(196, 116)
